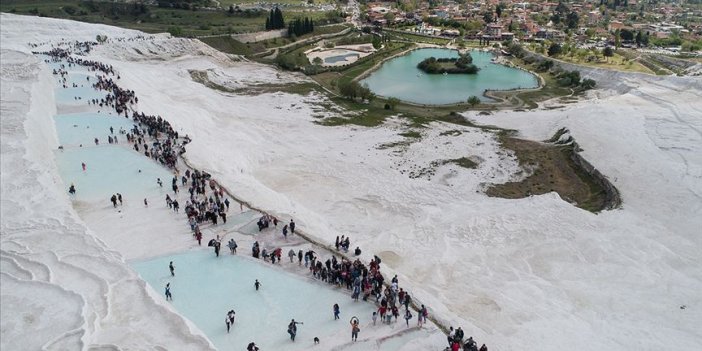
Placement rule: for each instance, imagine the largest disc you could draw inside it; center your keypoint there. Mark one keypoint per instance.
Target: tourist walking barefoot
(336, 311)
(422, 316)
(169, 296)
(292, 329)
(354, 329)
(231, 315)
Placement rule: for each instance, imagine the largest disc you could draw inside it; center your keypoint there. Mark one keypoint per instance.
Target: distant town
(674, 26)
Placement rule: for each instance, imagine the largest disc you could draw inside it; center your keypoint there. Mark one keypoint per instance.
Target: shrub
(473, 101)
(587, 84)
(544, 65)
(175, 31)
(69, 10)
(554, 50)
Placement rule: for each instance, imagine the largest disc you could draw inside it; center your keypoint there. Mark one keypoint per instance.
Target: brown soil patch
(552, 169)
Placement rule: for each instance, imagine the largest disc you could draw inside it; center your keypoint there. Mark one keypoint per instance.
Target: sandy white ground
(535, 273)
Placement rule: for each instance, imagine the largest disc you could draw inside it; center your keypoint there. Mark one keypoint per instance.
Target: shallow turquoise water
(338, 58)
(205, 287)
(111, 169)
(83, 128)
(79, 77)
(69, 96)
(401, 78)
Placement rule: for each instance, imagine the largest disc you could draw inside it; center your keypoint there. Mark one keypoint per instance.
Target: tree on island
(464, 60)
(473, 101)
(462, 64)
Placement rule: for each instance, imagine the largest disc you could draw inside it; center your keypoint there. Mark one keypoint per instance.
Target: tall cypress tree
(279, 21)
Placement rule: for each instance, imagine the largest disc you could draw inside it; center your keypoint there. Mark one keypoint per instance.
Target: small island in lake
(455, 65)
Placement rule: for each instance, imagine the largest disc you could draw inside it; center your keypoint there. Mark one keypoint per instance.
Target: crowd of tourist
(207, 204)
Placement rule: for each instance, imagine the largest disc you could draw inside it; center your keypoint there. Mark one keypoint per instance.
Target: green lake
(399, 77)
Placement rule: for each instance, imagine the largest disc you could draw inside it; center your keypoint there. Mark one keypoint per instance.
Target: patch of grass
(617, 62)
(455, 118)
(230, 45)
(411, 134)
(552, 170)
(369, 119)
(549, 91)
(452, 132)
(297, 88)
(464, 162)
(292, 88)
(558, 135)
(402, 35)
(201, 77)
(393, 145)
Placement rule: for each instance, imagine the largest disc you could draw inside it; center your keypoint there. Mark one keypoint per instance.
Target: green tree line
(275, 20)
(300, 27)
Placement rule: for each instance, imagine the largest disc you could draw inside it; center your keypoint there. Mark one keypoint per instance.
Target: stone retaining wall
(260, 36)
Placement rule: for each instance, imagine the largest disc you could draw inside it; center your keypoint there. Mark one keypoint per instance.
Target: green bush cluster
(353, 89)
(463, 64)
